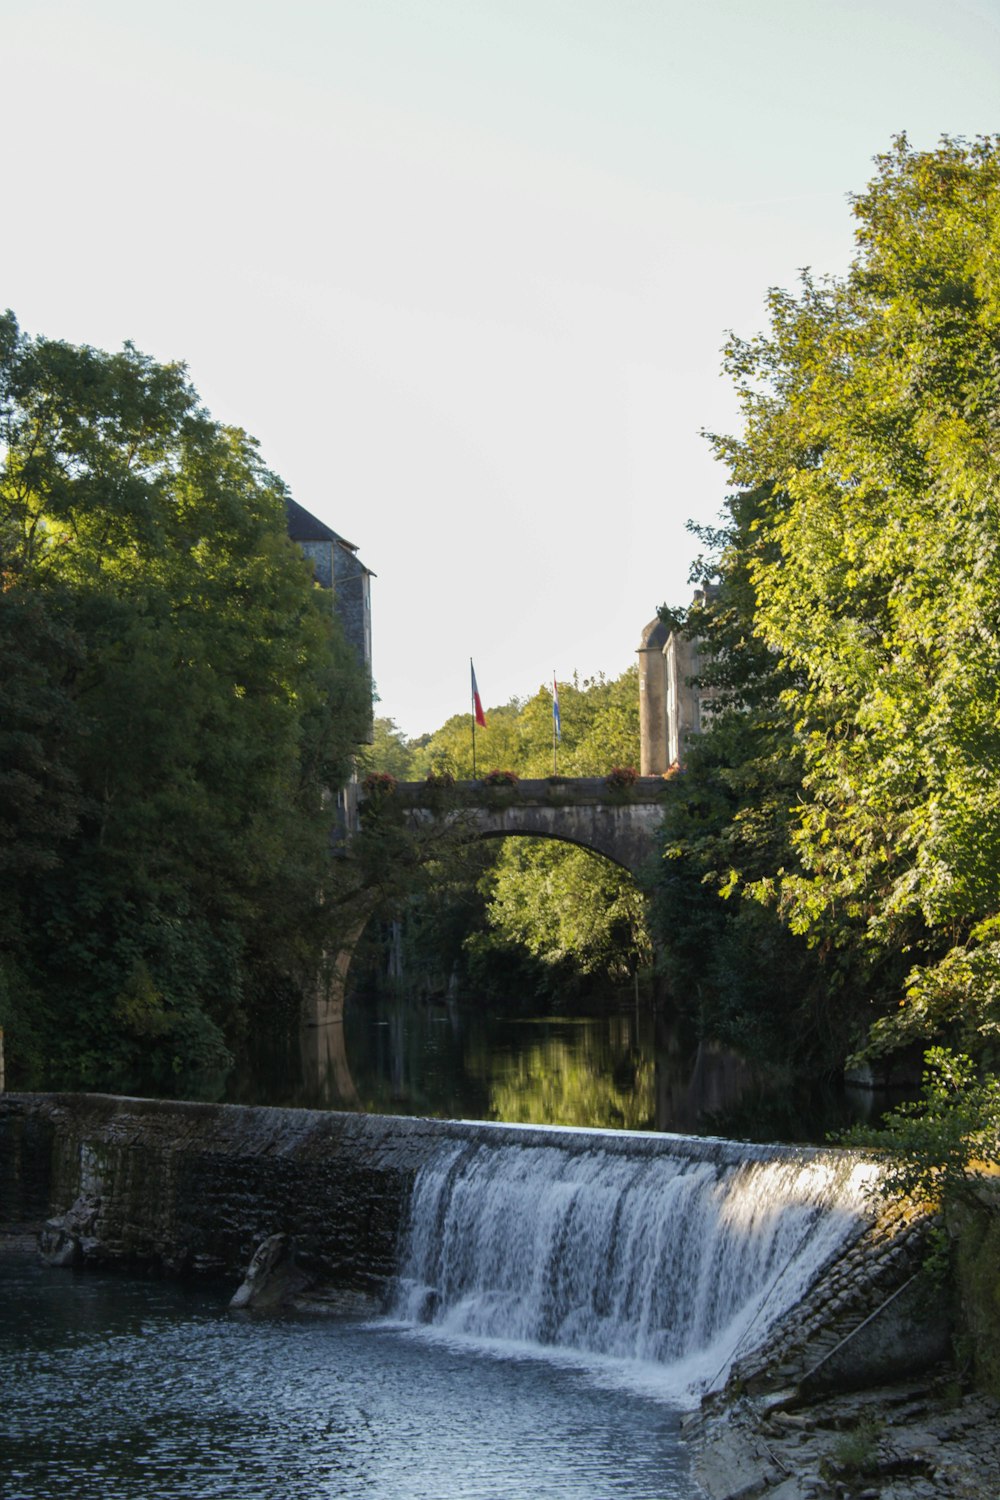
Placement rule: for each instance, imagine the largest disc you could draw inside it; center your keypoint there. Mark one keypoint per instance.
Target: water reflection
(579, 1078)
(694, 1091)
(626, 1068)
(325, 1068)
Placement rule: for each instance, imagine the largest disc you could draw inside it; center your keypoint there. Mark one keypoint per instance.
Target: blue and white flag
(557, 727)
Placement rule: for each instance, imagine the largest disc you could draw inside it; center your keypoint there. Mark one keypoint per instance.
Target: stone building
(672, 705)
(338, 568)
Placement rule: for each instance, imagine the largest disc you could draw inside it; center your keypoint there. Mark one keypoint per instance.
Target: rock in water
(70, 1238)
(273, 1279)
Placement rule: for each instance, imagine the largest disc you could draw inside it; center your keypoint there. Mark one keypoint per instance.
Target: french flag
(477, 702)
(555, 708)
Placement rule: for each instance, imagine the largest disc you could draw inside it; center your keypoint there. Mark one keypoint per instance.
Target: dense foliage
(176, 702)
(856, 802)
(941, 1142)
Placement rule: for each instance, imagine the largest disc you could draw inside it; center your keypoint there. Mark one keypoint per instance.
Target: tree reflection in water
(627, 1069)
(624, 1069)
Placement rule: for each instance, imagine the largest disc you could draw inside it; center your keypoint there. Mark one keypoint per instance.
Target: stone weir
(196, 1188)
(685, 1253)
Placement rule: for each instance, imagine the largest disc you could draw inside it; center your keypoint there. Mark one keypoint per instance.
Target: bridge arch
(620, 823)
(561, 837)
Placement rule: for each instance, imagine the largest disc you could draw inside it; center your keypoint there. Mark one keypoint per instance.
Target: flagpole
(556, 724)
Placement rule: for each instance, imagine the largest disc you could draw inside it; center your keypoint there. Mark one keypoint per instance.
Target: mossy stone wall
(977, 1270)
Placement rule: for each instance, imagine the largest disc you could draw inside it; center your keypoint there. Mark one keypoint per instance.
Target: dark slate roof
(305, 527)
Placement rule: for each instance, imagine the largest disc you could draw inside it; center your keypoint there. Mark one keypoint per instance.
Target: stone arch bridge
(617, 822)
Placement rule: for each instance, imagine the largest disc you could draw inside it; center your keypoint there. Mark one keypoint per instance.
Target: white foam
(653, 1270)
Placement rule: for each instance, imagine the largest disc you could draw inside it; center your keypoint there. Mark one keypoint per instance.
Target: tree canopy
(871, 565)
(178, 701)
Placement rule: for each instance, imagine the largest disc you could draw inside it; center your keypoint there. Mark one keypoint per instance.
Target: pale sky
(465, 267)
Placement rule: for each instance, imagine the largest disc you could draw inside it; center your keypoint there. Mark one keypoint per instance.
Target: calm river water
(623, 1068)
(116, 1389)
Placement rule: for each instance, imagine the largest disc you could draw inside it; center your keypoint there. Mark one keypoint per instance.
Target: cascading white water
(678, 1255)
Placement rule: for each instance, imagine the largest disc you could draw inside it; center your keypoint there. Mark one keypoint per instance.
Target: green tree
(600, 729)
(937, 1147)
(170, 767)
(40, 802)
(448, 751)
(734, 970)
(869, 418)
(567, 907)
(390, 750)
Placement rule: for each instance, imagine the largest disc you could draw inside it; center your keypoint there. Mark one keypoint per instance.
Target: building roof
(303, 526)
(654, 637)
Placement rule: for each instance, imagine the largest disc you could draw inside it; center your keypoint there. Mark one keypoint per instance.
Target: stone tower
(338, 568)
(672, 705)
(653, 760)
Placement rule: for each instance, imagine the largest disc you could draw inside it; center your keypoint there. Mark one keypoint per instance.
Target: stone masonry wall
(869, 1312)
(193, 1187)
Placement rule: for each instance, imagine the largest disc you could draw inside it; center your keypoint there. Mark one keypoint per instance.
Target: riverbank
(914, 1440)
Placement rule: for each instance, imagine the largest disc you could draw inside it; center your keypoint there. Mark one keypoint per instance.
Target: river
(123, 1389)
(137, 1389)
(621, 1067)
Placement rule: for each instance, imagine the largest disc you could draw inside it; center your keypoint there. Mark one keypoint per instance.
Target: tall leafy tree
(870, 416)
(390, 750)
(734, 970)
(183, 703)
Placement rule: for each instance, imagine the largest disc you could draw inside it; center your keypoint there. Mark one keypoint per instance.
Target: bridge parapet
(546, 791)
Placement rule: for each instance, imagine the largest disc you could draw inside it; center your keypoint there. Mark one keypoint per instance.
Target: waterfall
(664, 1250)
